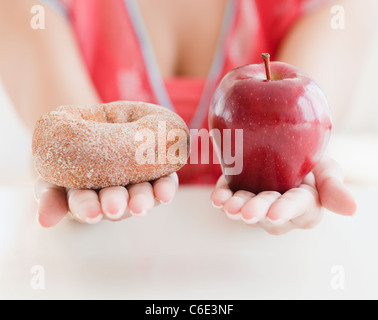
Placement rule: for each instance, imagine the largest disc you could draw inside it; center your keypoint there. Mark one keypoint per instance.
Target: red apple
(286, 124)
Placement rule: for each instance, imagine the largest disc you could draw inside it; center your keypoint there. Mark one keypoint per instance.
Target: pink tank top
(117, 51)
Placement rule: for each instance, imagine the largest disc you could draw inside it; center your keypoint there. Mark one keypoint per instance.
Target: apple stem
(266, 57)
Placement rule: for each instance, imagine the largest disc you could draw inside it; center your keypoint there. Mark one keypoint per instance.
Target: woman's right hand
(91, 206)
(300, 207)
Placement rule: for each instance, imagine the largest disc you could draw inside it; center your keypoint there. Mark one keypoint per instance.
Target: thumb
(333, 193)
(52, 203)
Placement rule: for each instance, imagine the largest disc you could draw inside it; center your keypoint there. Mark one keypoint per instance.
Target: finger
(85, 206)
(314, 212)
(256, 209)
(303, 201)
(114, 202)
(52, 203)
(233, 206)
(332, 192)
(165, 188)
(141, 198)
(309, 220)
(277, 230)
(221, 194)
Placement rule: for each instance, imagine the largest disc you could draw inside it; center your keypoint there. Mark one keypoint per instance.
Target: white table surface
(185, 250)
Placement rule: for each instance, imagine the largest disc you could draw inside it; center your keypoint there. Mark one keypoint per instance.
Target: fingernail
(39, 221)
(114, 216)
(253, 220)
(37, 218)
(236, 216)
(141, 214)
(276, 222)
(93, 220)
(215, 206)
(162, 202)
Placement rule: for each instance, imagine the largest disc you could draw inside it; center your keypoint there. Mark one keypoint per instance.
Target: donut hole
(116, 115)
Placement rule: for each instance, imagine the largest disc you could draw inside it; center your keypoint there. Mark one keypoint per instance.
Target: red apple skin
(286, 124)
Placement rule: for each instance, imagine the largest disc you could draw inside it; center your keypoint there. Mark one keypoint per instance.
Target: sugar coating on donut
(94, 147)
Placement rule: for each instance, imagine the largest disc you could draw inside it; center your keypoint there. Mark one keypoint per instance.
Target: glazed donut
(112, 144)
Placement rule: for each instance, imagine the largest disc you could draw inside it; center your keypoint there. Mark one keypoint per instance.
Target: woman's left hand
(300, 207)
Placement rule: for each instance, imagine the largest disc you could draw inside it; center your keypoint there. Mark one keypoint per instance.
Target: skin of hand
(300, 207)
(91, 206)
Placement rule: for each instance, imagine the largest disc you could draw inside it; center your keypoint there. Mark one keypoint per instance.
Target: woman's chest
(183, 34)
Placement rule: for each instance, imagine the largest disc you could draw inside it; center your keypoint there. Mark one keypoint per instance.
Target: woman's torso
(174, 53)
